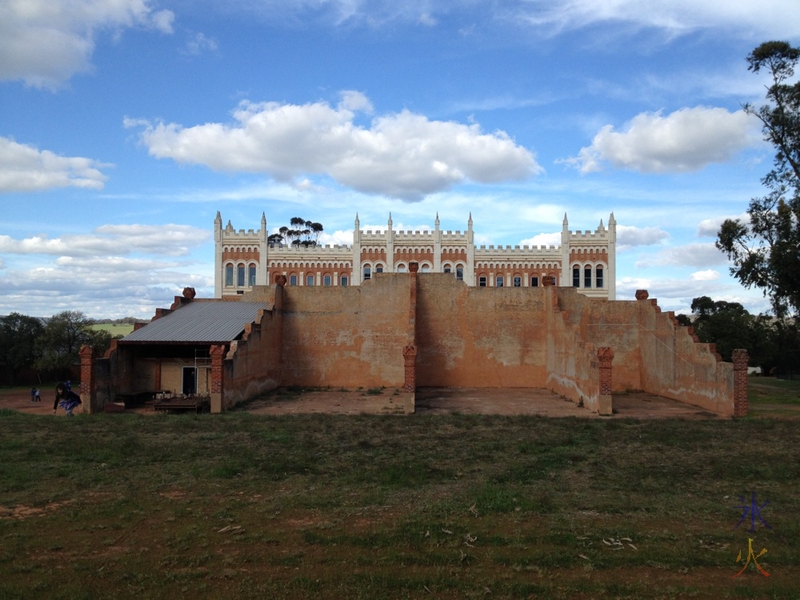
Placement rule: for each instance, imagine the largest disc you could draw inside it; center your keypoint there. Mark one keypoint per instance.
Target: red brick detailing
(548, 280)
(740, 360)
(410, 357)
(217, 356)
(158, 375)
(280, 280)
(138, 325)
(605, 356)
(112, 348)
(413, 267)
(642, 295)
(87, 375)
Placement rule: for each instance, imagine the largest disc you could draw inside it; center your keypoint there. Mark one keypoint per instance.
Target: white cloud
(768, 19)
(401, 155)
(710, 227)
(23, 168)
(45, 42)
(707, 275)
(113, 240)
(543, 239)
(685, 140)
(628, 236)
(198, 43)
(691, 255)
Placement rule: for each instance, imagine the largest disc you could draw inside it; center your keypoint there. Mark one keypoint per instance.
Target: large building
(584, 260)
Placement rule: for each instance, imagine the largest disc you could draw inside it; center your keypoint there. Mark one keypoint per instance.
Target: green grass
(323, 506)
(115, 329)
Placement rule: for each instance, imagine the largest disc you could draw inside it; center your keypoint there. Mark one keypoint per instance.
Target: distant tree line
(301, 233)
(34, 350)
(772, 343)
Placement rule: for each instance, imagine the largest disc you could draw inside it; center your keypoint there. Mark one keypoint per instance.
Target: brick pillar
(605, 356)
(410, 356)
(87, 379)
(740, 360)
(217, 381)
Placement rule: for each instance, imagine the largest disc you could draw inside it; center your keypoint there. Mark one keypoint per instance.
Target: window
(251, 275)
(460, 272)
(534, 282)
(293, 279)
(344, 280)
(598, 277)
(229, 275)
(401, 268)
(425, 268)
(310, 280)
(587, 277)
(326, 280)
(240, 276)
(498, 282)
(447, 269)
(482, 281)
(379, 268)
(576, 277)
(367, 273)
(517, 281)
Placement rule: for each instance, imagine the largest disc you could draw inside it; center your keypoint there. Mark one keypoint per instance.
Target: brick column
(87, 378)
(217, 380)
(605, 356)
(740, 360)
(410, 356)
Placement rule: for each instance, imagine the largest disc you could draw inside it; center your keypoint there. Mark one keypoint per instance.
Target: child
(66, 399)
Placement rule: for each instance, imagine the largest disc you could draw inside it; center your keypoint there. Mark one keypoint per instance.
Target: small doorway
(189, 381)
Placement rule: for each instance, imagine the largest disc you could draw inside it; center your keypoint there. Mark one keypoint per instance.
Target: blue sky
(125, 125)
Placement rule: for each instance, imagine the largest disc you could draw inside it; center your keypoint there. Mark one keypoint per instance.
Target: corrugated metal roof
(206, 322)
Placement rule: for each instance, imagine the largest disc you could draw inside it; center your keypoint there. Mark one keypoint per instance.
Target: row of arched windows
(588, 276)
(245, 275)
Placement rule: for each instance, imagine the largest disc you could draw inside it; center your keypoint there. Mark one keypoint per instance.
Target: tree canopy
(766, 250)
(301, 233)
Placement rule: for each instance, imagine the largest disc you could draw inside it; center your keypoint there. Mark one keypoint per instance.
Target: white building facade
(585, 260)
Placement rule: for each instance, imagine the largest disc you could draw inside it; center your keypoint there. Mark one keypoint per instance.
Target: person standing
(66, 399)
(33, 394)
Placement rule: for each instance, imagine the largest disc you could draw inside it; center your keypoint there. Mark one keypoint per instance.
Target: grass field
(115, 329)
(464, 506)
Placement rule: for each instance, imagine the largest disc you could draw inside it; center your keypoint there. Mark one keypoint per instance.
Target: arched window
(460, 272)
(240, 275)
(251, 275)
(293, 279)
(587, 277)
(379, 268)
(367, 272)
(344, 280)
(310, 279)
(534, 281)
(326, 280)
(401, 268)
(228, 275)
(517, 281)
(576, 277)
(499, 281)
(447, 268)
(482, 281)
(598, 277)
(425, 268)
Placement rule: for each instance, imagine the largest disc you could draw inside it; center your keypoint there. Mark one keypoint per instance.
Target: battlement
(305, 252)
(516, 251)
(600, 235)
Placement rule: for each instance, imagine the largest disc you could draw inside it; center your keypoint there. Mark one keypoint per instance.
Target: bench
(196, 403)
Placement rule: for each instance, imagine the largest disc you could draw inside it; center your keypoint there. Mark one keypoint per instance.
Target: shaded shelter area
(170, 358)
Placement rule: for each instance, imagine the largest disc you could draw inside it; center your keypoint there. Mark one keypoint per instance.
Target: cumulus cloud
(543, 239)
(691, 255)
(402, 155)
(112, 240)
(45, 42)
(629, 237)
(685, 140)
(23, 168)
(199, 43)
(707, 275)
(710, 227)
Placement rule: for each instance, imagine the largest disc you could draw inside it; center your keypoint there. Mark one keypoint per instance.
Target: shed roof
(207, 322)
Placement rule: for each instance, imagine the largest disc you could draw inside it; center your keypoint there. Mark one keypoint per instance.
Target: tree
(301, 233)
(726, 324)
(18, 337)
(766, 251)
(62, 338)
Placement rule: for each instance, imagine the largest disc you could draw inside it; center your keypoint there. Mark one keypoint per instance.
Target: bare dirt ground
(431, 401)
